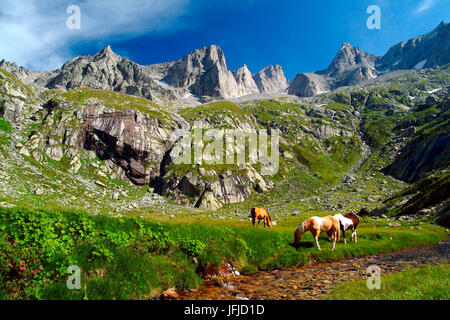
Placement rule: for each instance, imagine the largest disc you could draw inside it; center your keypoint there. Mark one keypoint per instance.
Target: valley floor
(339, 280)
(137, 258)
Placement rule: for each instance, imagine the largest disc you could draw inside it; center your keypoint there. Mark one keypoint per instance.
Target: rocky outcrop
(246, 84)
(132, 144)
(23, 74)
(308, 85)
(271, 79)
(420, 157)
(425, 51)
(213, 188)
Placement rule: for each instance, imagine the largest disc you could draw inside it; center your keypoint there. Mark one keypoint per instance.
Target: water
(312, 281)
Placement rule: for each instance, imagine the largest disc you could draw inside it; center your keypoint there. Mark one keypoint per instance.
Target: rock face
(427, 51)
(204, 72)
(107, 70)
(350, 62)
(132, 144)
(271, 79)
(23, 74)
(308, 85)
(420, 157)
(246, 84)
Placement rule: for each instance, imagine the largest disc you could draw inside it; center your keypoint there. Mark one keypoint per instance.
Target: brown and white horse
(316, 225)
(260, 214)
(348, 222)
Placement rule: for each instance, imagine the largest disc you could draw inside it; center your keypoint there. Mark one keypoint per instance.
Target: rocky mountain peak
(348, 58)
(186, 72)
(107, 54)
(245, 82)
(271, 79)
(424, 51)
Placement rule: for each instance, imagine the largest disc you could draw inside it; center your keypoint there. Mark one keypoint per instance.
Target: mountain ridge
(202, 75)
(352, 65)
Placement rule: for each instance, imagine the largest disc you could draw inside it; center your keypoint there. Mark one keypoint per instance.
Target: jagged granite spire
(271, 79)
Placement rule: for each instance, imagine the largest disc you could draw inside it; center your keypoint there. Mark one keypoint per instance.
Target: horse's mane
(253, 212)
(270, 219)
(354, 216)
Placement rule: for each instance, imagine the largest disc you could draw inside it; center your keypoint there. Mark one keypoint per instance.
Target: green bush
(138, 259)
(5, 126)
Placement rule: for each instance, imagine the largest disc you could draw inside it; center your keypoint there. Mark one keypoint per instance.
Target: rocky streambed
(312, 281)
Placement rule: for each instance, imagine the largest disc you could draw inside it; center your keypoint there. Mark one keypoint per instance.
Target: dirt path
(314, 280)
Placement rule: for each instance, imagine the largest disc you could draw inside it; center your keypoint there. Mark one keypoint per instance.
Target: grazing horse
(316, 225)
(348, 222)
(355, 220)
(260, 214)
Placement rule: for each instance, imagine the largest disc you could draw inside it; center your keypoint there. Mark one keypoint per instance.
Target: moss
(17, 84)
(117, 101)
(5, 126)
(216, 112)
(338, 106)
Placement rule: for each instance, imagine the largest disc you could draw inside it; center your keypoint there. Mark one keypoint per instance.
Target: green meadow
(136, 258)
(427, 283)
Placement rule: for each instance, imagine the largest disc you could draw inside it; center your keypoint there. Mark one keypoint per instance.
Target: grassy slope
(428, 283)
(137, 259)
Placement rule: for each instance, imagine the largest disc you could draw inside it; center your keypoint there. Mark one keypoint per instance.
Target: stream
(312, 281)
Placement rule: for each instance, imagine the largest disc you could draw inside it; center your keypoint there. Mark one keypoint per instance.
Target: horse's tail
(253, 213)
(338, 230)
(357, 221)
(270, 219)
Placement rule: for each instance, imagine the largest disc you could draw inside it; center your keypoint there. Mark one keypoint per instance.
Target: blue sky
(302, 36)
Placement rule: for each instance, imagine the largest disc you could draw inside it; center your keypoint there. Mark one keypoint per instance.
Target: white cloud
(424, 6)
(34, 33)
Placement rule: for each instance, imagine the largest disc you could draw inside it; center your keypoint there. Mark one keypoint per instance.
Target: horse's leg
(259, 221)
(334, 239)
(343, 234)
(316, 235)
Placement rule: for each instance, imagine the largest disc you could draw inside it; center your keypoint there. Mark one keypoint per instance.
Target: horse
(348, 222)
(316, 225)
(355, 220)
(260, 214)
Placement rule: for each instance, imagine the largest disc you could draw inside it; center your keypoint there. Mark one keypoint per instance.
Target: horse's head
(298, 233)
(269, 221)
(297, 237)
(353, 217)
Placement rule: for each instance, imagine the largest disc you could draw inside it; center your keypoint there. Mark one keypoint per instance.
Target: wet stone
(312, 281)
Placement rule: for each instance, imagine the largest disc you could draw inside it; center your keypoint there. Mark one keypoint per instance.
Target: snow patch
(435, 90)
(420, 65)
